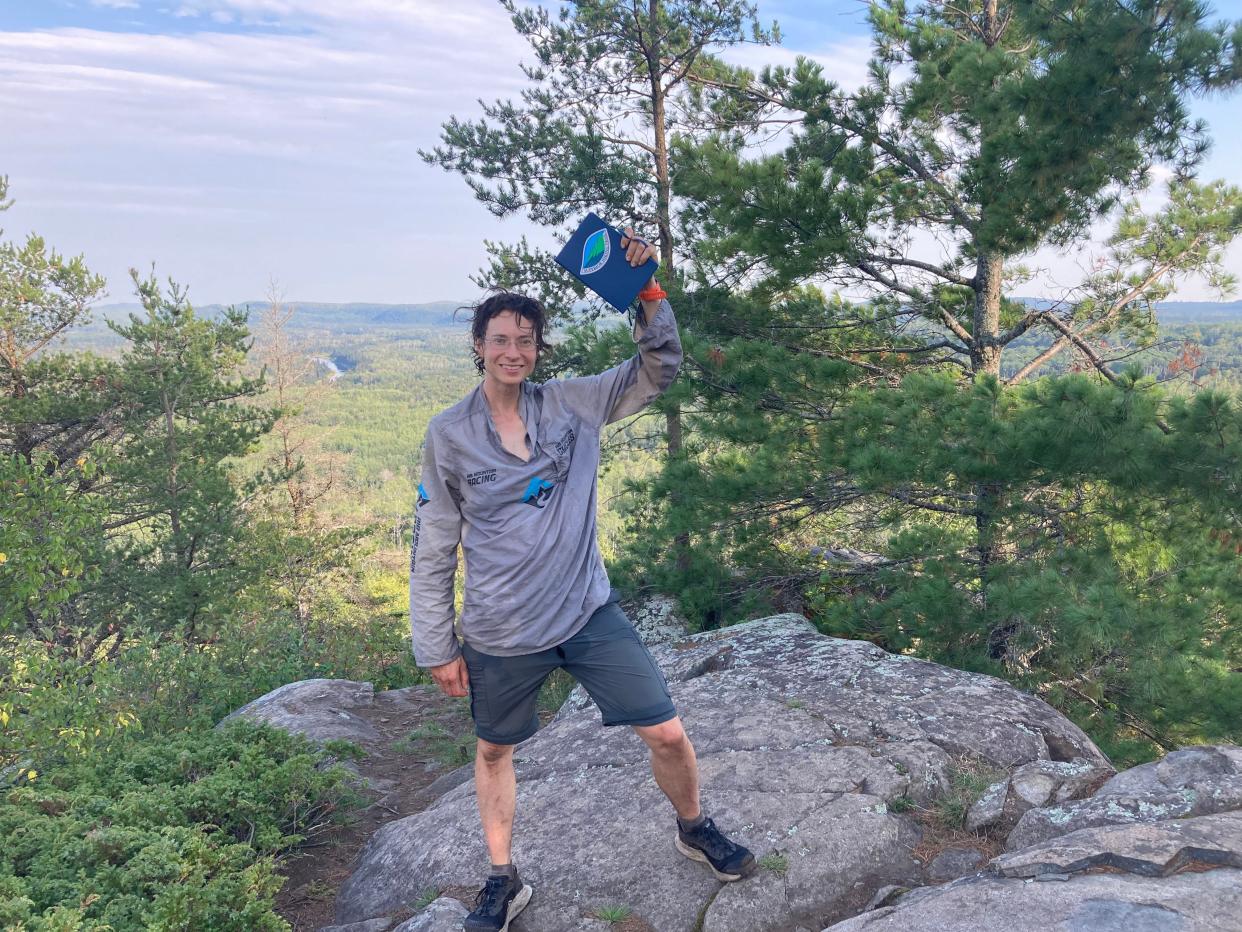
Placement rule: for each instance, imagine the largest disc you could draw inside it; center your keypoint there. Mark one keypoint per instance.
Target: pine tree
(51, 416)
(991, 520)
(310, 472)
(43, 295)
(1017, 127)
(614, 82)
(179, 520)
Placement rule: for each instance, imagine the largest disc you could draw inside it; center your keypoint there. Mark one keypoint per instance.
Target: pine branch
(1115, 308)
(920, 300)
(939, 271)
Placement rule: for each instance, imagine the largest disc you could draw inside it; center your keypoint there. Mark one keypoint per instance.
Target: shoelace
(717, 845)
(489, 900)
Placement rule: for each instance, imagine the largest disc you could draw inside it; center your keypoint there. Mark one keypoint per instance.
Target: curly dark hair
(489, 307)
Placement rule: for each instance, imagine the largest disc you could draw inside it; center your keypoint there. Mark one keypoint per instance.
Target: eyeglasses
(525, 344)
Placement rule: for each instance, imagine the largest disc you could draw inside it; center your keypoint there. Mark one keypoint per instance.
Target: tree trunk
(985, 360)
(664, 220)
(985, 350)
(991, 24)
(664, 185)
(170, 452)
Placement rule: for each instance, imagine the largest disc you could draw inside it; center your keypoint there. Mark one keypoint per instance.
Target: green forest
(200, 505)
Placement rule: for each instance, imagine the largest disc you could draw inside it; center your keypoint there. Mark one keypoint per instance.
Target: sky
(233, 144)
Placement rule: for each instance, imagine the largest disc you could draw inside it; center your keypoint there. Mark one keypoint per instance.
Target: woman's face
(508, 349)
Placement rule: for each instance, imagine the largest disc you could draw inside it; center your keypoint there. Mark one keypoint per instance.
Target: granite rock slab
(1040, 825)
(802, 741)
(1189, 902)
(442, 915)
(1151, 849)
(321, 709)
(1035, 785)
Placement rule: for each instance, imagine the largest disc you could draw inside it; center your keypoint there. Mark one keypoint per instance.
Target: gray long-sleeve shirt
(527, 529)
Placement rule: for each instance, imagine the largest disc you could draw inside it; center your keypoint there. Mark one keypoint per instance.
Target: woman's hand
(452, 677)
(638, 251)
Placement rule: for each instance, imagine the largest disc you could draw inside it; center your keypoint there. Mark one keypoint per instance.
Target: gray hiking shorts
(605, 656)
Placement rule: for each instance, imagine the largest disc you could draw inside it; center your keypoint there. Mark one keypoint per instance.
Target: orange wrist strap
(652, 294)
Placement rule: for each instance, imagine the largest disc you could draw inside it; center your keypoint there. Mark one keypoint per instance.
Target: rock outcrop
(1210, 902)
(656, 620)
(1191, 782)
(1033, 785)
(322, 710)
(1175, 874)
(1126, 859)
(1153, 849)
(825, 757)
(807, 746)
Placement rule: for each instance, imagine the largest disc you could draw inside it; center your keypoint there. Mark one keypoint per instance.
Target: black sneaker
(727, 860)
(501, 899)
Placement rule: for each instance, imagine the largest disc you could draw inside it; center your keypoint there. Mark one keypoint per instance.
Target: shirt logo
(538, 492)
(423, 497)
(418, 527)
(595, 252)
(480, 477)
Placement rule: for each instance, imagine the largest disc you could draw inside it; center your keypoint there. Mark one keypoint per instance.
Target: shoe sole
(694, 854)
(516, 905)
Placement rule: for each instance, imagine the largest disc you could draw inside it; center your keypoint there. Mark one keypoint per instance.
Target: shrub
(177, 833)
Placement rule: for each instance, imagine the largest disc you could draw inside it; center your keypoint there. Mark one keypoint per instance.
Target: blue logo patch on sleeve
(538, 492)
(423, 497)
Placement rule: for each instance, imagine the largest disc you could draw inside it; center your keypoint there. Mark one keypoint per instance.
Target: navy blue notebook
(594, 255)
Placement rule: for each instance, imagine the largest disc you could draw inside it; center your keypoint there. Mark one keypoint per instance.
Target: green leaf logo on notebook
(595, 252)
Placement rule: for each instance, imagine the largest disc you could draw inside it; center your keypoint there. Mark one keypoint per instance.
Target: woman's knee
(492, 754)
(667, 736)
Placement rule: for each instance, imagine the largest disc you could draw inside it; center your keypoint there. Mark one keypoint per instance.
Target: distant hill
(360, 317)
(324, 323)
(338, 318)
(1179, 312)
(1199, 312)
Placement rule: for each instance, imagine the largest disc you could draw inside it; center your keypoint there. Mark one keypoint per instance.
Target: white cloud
(116, 4)
(469, 21)
(283, 144)
(315, 95)
(843, 61)
(148, 205)
(227, 156)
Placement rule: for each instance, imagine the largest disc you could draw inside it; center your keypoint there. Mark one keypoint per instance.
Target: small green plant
(426, 898)
(613, 913)
(319, 890)
(968, 780)
(901, 804)
(434, 739)
(795, 704)
(775, 862)
(344, 750)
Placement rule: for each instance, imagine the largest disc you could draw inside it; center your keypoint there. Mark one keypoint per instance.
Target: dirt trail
(425, 736)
